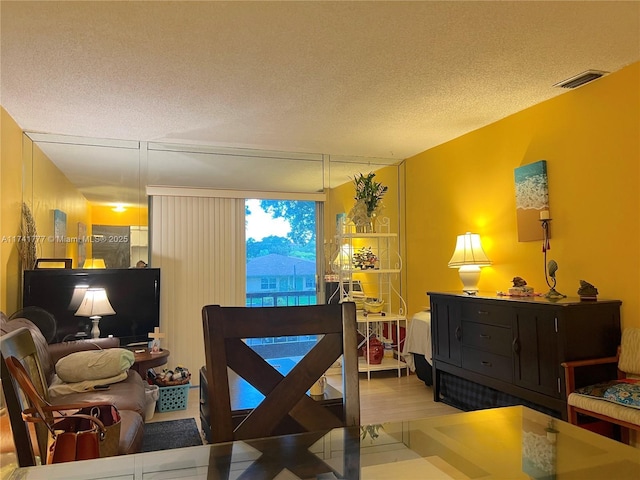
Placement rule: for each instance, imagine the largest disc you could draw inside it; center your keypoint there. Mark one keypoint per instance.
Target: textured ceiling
(381, 79)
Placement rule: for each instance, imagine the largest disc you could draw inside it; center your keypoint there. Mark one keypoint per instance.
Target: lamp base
(95, 330)
(469, 275)
(553, 293)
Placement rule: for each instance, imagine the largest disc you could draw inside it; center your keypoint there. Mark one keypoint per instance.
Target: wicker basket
(173, 398)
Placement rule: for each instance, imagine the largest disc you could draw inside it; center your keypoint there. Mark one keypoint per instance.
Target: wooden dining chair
(19, 344)
(286, 398)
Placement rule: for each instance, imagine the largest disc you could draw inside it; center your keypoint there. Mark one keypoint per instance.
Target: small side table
(144, 360)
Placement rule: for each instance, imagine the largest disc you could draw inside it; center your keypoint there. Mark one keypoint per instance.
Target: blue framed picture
(532, 200)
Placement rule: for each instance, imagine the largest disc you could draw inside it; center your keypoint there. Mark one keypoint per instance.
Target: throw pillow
(624, 392)
(94, 364)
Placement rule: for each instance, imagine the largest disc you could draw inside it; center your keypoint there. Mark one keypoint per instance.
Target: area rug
(170, 434)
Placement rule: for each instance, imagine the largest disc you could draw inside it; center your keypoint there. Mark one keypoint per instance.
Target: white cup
(317, 389)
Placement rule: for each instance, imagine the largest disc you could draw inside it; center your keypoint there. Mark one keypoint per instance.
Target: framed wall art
(532, 200)
(59, 234)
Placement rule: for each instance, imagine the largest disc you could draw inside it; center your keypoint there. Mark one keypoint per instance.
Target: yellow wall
(10, 202)
(53, 191)
(590, 139)
(25, 169)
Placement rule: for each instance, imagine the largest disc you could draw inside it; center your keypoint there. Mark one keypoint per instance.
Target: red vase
(376, 351)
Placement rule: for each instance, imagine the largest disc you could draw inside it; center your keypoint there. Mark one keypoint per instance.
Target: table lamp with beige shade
(94, 305)
(468, 257)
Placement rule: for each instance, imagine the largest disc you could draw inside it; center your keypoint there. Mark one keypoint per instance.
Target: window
(281, 265)
(281, 252)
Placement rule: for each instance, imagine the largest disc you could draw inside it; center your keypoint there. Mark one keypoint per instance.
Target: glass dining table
(501, 443)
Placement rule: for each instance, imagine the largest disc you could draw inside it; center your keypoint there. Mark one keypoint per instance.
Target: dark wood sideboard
(515, 344)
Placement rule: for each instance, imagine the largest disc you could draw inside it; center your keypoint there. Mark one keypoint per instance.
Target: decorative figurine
(520, 288)
(519, 282)
(552, 268)
(587, 291)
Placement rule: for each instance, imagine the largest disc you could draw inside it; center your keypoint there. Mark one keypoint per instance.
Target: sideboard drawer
(486, 313)
(488, 338)
(486, 363)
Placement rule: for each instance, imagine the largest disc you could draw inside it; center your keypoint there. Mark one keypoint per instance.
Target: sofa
(127, 395)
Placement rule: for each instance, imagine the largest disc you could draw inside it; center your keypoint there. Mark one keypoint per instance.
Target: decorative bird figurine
(587, 291)
(552, 268)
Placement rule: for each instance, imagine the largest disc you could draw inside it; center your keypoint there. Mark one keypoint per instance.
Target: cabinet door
(446, 331)
(535, 347)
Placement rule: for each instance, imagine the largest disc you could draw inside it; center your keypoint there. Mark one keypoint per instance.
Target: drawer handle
(484, 335)
(516, 346)
(483, 312)
(458, 333)
(486, 364)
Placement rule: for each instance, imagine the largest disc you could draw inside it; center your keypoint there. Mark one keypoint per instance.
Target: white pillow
(94, 364)
(59, 388)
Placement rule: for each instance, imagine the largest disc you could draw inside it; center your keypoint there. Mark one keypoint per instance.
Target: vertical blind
(199, 245)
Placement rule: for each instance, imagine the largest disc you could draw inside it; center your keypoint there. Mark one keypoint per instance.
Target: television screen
(134, 294)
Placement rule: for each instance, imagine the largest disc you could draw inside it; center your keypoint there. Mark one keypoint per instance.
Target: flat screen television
(134, 294)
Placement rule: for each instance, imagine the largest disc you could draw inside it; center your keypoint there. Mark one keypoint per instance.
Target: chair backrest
(20, 431)
(285, 396)
(19, 344)
(629, 361)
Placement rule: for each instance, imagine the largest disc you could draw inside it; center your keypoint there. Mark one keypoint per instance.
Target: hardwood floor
(387, 398)
(384, 398)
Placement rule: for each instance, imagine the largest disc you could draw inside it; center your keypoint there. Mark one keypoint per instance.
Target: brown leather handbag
(80, 431)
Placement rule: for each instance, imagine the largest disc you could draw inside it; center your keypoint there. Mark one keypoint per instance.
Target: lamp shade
(469, 252)
(95, 303)
(77, 296)
(343, 257)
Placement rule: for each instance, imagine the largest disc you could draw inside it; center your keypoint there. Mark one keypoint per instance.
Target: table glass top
(502, 443)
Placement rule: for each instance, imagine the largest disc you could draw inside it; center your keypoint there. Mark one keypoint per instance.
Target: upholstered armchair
(612, 400)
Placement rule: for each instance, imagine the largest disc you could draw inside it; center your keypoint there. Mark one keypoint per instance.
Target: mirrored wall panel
(88, 200)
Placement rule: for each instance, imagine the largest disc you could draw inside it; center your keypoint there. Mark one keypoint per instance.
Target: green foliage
(300, 242)
(270, 244)
(369, 191)
(301, 216)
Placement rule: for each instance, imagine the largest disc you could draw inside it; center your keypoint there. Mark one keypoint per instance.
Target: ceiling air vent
(581, 79)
